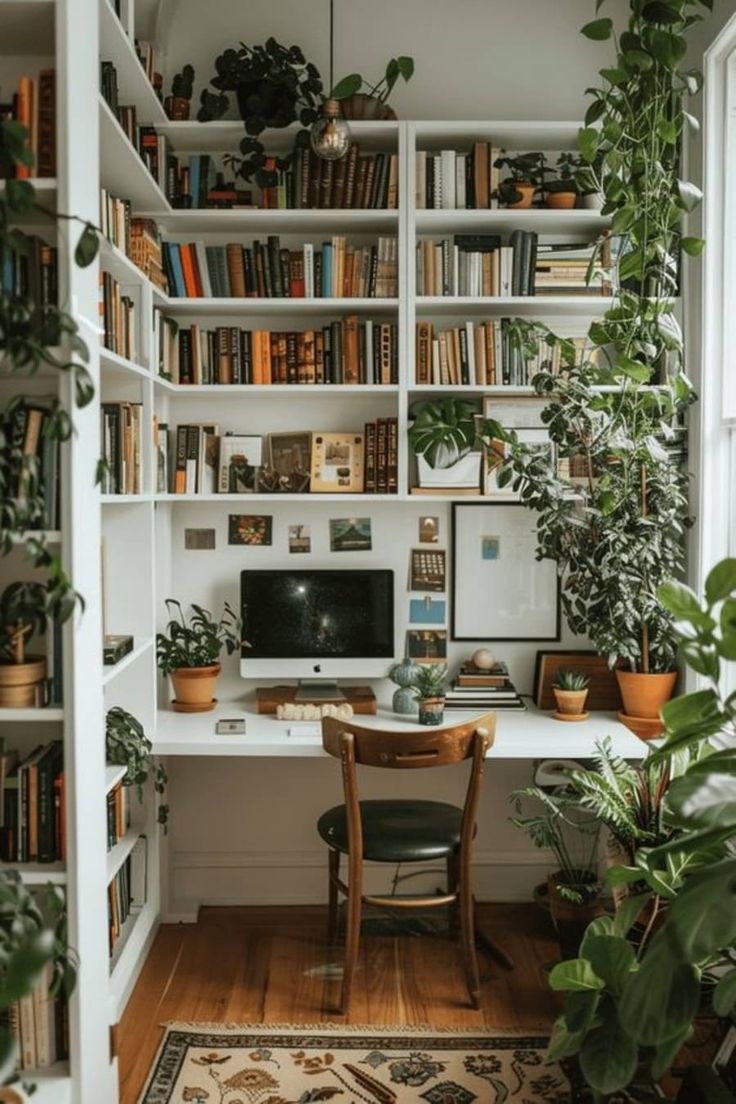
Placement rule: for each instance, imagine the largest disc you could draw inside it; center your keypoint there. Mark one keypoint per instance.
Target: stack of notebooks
(476, 690)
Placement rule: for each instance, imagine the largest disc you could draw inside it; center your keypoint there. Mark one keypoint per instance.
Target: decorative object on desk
(291, 711)
(126, 745)
(189, 652)
(350, 535)
(178, 105)
(241, 457)
(428, 569)
(23, 615)
(429, 683)
(429, 530)
(570, 689)
(483, 659)
(230, 726)
(253, 529)
(404, 674)
(290, 457)
(526, 173)
(373, 103)
(483, 687)
(199, 540)
(300, 540)
(114, 647)
(337, 463)
(426, 645)
(561, 192)
(427, 611)
(512, 596)
(443, 436)
(603, 691)
(269, 698)
(274, 86)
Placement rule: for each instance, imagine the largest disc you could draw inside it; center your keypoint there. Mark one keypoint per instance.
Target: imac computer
(317, 626)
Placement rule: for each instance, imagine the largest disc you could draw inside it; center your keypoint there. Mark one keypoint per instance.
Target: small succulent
(567, 679)
(430, 680)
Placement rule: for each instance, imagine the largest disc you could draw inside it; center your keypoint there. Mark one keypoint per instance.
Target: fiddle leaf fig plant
(127, 745)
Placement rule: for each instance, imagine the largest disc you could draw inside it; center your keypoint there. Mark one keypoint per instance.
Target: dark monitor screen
(321, 614)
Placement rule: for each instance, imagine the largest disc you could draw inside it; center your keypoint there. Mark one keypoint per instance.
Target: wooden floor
(257, 965)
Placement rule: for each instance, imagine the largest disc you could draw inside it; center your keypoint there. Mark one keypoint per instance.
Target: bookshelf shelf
(240, 307)
(129, 953)
(245, 220)
(528, 305)
(52, 1085)
(143, 647)
(577, 221)
(124, 500)
(428, 390)
(133, 85)
(119, 853)
(254, 498)
(313, 390)
(121, 169)
(113, 775)
(38, 874)
(225, 135)
(32, 713)
(125, 271)
(114, 366)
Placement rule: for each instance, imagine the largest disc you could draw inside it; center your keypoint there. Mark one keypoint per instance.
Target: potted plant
(561, 191)
(274, 86)
(526, 172)
(562, 827)
(23, 614)
(570, 689)
(178, 104)
(189, 652)
(443, 437)
(588, 181)
(126, 745)
(371, 104)
(429, 683)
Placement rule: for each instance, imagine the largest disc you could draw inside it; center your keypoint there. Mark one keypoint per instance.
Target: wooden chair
(404, 830)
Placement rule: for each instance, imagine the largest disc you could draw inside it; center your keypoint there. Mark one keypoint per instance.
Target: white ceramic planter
(465, 473)
(593, 201)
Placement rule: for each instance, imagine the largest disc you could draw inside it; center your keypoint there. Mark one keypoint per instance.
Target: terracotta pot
(562, 200)
(570, 701)
(527, 194)
(177, 107)
(362, 106)
(644, 695)
(194, 688)
(19, 682)
(431, 711)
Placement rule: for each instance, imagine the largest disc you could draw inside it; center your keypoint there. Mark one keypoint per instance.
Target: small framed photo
(427, 611)
(300, 540)
(337, 463)
(240, 461)
(289, 463)
(350, 535)
(253, 529)
(524, 415)
(427, 645)
(428, 569)
(429, 530)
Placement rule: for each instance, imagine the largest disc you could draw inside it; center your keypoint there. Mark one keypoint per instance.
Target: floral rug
(266, 1064)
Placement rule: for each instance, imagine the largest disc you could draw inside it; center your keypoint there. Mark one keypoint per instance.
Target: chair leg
(467, 924)
(333, 864)
(453, 882)
(354, 906)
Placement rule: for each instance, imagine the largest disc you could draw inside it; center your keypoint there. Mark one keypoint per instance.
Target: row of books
(33, 105)
(138, 238)
(32, 805)
(31, 273)
(25, 426)
(117, 317)
(118, 814)
(478, 689)
(148, 58)
(450, 179)
(38, 1024)
(348, 351)
(357, 180)
(153, 148)
(120, 440)
(127, 891)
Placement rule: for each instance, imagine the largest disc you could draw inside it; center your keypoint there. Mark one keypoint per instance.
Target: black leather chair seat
(397, 831)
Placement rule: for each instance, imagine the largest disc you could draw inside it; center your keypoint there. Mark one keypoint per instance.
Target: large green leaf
(24, 966)
(563, 1043)
(659, 999)
(721, 579)
(608, 1057)
(702, 919)
(580, 1011)
(724, 994)
(611, 957)
(598, 30)
(576, 975)
(628, 911)
(667, 1051)
(705, 800)
(347, 87)
(680, 600)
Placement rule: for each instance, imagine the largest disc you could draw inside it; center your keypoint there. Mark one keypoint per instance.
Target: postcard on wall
(337, 462)
(429, 530)
(199, 539)
(426, 645)
(427, 611)
(428, 569)
(300, 539)
(254, 529)
(350, 535)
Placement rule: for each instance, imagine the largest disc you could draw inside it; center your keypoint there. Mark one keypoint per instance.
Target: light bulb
(330, 134)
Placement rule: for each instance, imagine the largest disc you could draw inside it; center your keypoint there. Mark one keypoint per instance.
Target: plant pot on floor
(431, 711)
(570, 704)
(464, 473)
(362, 106)
(643, 696)
(19, 682)
(194, 688)
(571, 919)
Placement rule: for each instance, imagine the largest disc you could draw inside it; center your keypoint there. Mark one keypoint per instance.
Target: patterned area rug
(266, 1064)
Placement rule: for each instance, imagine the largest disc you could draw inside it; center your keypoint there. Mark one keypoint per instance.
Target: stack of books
(117, 318)
(31, 273)
(127, 891)
(564, 269)
(32, 819)
(118, 814)
(449, 178)
(38, 1026)
(26, 427)
(476, 690)
(121, 438)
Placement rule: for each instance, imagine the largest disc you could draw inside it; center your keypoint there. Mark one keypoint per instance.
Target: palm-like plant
(429, 680)
(571, 835)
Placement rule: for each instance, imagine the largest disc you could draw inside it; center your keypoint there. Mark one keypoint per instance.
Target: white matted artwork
(524, 415)
(499, 589)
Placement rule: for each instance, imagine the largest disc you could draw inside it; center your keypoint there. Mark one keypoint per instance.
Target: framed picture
(429, 530)
(240, 461)
(300, 540)
(289, 463)
(337, 462)
(524, 415)
(426, 645)
(350, 535)
(428, 569)
(499, 589)
(249, 529)
(603, 691)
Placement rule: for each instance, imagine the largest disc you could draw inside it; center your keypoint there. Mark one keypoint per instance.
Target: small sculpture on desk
(290, 711)
(404, 674)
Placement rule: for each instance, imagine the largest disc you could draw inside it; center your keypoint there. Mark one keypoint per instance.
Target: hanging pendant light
(330, 134)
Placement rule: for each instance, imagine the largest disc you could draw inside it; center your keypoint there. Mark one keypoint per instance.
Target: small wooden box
(362, 698)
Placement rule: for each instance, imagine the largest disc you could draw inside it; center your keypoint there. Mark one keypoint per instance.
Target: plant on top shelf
(570, 689)
(274, 86)
(178, 104)
(189, 652)
(562, 190)
(443, 436)
(429, 683)
(373, 103)
(616, 529)
(24, 613)
(526, 174)
(126, 745)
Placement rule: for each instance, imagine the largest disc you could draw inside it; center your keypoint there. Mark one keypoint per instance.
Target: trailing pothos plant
(34, 337)
(630, 1003)
(616, 530)
(127, 745)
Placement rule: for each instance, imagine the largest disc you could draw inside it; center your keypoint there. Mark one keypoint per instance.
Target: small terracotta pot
(562, 200)
(431, 711)
(644, 695)
(177, 107)
(527, 194)
(19, 682)
(570, 701)
(362, 106)
(194, 688)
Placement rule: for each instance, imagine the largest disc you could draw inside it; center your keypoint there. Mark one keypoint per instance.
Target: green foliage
(198, 642)
(558, 826)
(396, 67)
(444, 430)
(183, 83)
(26, 607)
(126, 745)
(569, 679)
(522, 168)
(429, 680)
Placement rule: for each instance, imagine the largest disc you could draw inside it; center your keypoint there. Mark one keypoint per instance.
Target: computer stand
(316, 691)
(269, 698)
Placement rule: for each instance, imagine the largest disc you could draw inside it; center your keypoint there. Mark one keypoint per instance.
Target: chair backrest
(427, 747)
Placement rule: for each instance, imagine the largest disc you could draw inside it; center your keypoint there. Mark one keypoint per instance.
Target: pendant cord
(332, 44)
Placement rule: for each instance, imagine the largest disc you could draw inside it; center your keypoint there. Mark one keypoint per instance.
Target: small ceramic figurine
(483, 659)
(403, 674)
(292, 712)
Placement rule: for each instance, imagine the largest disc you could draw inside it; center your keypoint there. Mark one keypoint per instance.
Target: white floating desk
(519, 735)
